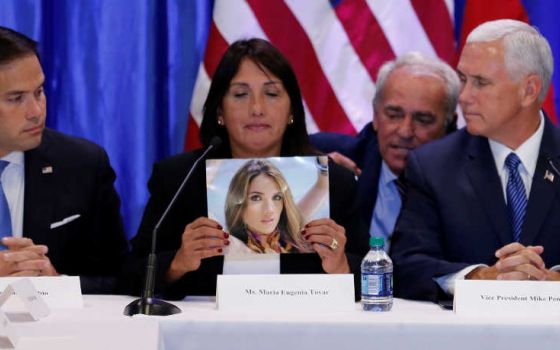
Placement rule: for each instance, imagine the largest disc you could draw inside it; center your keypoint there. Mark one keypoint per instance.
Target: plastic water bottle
(377, 278)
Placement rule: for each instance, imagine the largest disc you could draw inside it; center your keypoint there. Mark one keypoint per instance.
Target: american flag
(337, 47)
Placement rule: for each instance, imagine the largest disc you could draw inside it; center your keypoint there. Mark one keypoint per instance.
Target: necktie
(516, 196)
(401, 187)
(5, 220)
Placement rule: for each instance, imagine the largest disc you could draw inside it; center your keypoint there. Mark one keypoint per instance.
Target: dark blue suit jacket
(67, 176)
(456, 215)
(363, 149)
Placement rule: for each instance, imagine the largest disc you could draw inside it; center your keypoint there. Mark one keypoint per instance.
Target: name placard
(27, 294)
(56, 291)
(491, 298)
(286, 293)
(7, 333)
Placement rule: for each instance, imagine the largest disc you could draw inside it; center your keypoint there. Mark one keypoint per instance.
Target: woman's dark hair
(295, 140)
(14, 45)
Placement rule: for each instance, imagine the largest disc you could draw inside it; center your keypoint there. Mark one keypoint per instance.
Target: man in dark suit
(483, 203)
(414, 103)
(59, 211)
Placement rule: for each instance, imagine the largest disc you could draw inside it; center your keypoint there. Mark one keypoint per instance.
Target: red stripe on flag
(436, 20)
(215, 49)
(480, 11)
(285, 32)
(365, 33)
(192, 140)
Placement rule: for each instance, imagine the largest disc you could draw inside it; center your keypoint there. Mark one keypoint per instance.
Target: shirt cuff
(447, 282)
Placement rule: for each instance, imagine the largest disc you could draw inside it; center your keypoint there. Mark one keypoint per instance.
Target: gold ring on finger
(334, 244)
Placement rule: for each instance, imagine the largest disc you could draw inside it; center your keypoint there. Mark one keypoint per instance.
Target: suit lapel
(39, 196)
(543, 190)
(368, 182)
(483, 176)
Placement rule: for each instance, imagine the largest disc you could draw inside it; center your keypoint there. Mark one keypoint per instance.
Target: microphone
(548, 158)
(549, 175)
(147, 304)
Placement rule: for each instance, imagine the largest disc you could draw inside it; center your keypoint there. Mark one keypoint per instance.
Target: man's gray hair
(526, 51)
(418, 64)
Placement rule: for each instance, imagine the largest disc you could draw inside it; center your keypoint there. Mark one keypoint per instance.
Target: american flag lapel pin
(47, 170)
(549, 176)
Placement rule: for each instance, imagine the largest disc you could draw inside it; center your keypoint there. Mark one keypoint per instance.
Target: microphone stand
(148, 304)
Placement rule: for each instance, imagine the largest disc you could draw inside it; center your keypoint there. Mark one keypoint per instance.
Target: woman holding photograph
(254, 105)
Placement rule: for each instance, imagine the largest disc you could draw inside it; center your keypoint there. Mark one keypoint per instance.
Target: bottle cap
(376, 241)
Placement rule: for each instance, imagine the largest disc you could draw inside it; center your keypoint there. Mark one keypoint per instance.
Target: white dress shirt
(13, 184)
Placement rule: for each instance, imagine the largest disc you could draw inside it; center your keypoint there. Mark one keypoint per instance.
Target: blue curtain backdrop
(120, 73)
(544, 15)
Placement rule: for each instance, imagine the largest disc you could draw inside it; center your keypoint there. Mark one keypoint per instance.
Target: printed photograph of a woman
(260, 211)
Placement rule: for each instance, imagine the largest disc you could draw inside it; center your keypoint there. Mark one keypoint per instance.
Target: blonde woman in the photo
(260, 211)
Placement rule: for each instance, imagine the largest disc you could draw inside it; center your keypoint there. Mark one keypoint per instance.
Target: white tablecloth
(409, 325)
(101, 325)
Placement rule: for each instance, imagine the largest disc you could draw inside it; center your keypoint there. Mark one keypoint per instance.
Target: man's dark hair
(14, 45)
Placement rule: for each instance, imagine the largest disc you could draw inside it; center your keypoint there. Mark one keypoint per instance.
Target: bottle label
(377, 285)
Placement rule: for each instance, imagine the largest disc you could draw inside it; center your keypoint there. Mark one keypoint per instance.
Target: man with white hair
(414, 103)
(484, 202)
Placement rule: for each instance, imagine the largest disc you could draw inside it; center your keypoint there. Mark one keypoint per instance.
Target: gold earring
(220, 122)
(291, 121)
